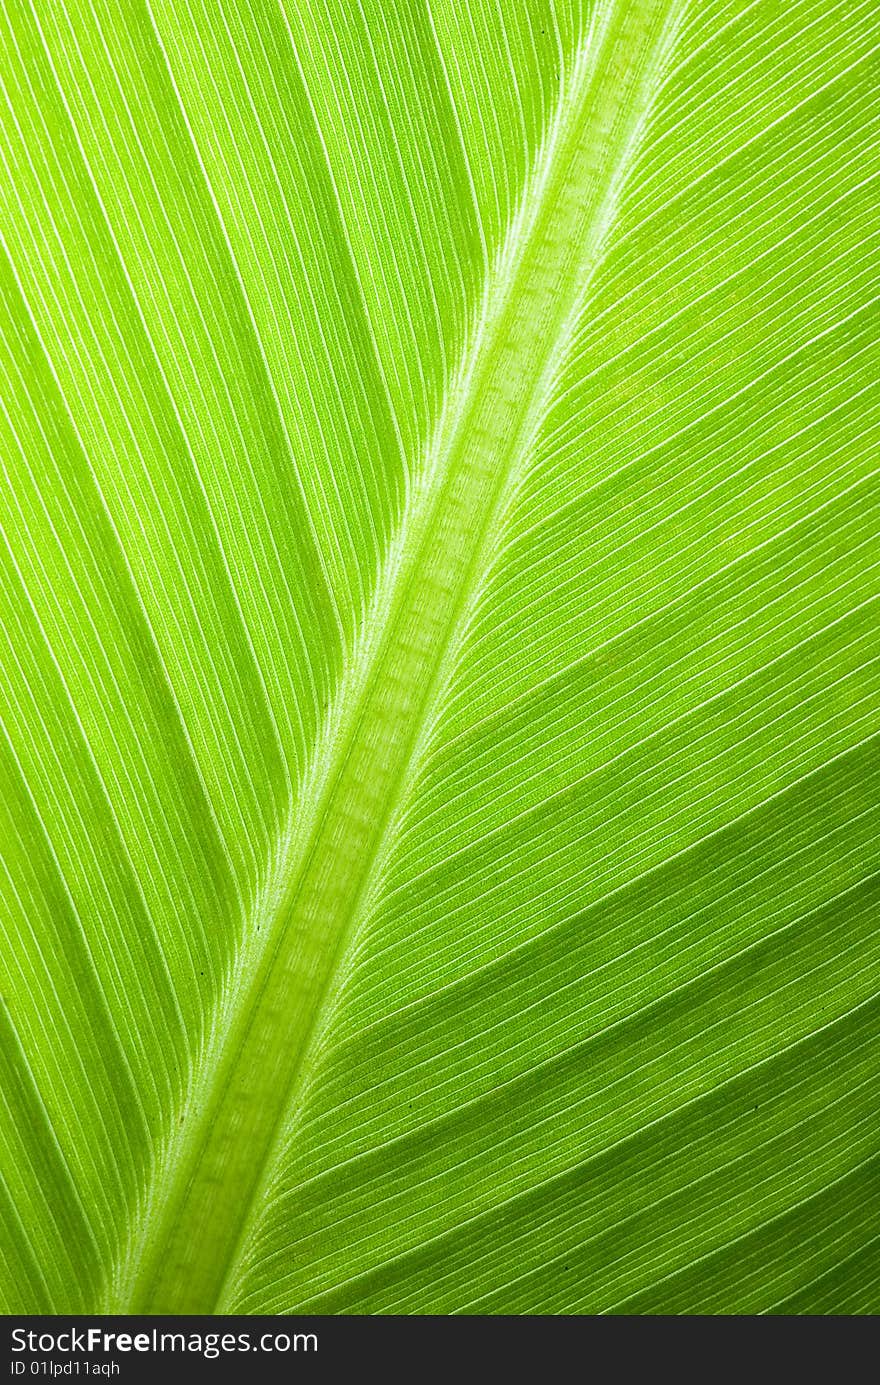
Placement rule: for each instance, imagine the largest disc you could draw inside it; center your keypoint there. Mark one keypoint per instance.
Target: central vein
(203, 1206)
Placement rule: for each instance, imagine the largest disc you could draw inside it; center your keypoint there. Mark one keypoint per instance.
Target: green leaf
(438, 688)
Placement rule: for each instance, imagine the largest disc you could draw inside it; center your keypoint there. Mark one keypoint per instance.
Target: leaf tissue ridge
(197, 1219)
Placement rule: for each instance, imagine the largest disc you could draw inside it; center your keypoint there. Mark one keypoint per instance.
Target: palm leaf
(438, 698)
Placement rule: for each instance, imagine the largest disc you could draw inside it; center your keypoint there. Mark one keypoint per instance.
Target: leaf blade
(470, 520)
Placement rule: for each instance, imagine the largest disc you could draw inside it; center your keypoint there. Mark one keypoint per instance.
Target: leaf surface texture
(438, 689)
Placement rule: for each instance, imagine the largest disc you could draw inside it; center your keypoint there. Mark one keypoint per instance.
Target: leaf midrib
(204, 1197)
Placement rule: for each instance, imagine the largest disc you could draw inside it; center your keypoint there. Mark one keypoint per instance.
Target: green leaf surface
(439, 682)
